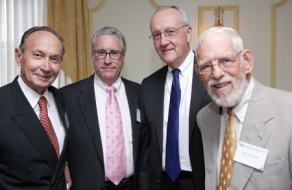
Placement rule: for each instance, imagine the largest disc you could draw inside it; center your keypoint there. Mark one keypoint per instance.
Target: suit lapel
(198, 93)
(87, 104)
(31, 126)
(159, 102)
(210, 136)
(133, 101)
(61, 112)
(254, 132)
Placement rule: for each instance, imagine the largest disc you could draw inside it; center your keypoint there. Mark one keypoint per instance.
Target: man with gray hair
(104, 119)
(172, 153)
(246, 131)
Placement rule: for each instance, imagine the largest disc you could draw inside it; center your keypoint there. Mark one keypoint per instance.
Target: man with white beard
(255, 151)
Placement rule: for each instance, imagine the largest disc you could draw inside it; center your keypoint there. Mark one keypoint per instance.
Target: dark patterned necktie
(46, 122)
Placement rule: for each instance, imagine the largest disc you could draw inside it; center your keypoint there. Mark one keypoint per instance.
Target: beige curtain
(70, 18)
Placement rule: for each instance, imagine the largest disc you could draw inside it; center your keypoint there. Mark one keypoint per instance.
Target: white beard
(227, 98)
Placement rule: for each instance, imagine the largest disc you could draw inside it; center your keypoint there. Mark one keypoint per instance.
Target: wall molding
(154, 4)
(93, 10)
(202, 9)
(274, 8)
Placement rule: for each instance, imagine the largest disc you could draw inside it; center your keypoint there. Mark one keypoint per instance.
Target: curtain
(16, 17)
(70, 18)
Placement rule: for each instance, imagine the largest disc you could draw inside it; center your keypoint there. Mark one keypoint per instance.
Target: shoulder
(130, 83)
(7, 90)
(77, 85)
(159, 75)
(272, 94)
(212, 107)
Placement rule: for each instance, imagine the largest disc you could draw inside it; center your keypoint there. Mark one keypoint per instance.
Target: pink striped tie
(115, 144)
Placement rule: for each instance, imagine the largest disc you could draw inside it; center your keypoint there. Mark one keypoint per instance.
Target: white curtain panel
(16, 17)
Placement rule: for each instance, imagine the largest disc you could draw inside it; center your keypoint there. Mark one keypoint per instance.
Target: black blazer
(85, 156)
(152, 127)
(27, 157)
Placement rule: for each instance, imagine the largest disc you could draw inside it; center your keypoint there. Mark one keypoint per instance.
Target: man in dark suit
(86, 102)
(31, 158)
(171, 35)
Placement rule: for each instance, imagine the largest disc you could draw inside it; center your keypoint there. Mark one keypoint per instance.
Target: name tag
(138, 116)
(251, 155)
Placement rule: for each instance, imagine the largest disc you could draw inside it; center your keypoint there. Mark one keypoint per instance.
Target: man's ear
(248, 61)
(189, 34)
(18, 56)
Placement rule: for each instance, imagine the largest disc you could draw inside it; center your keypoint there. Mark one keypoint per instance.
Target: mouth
(44, 77)
(166, 50)
(221, 85)
(108, 68)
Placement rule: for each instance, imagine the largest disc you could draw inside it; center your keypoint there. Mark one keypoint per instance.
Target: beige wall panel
(254, 22)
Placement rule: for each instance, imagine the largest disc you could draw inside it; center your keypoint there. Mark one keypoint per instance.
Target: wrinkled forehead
(165, 18)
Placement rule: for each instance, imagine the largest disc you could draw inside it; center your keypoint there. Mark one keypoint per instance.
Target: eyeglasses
(101, 54)
(224, 63)
(169, 33)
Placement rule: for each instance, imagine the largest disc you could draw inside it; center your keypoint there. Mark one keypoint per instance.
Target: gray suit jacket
(267, 124)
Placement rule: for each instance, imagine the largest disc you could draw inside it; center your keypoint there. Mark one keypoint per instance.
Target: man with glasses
(172, 152)
(255, 151)
(104, 117)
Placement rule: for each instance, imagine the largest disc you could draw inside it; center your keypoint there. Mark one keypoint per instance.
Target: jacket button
(158, 181)
(30, 168)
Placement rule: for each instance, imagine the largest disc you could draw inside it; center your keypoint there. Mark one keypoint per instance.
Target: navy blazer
(28, 158)
(152, 97)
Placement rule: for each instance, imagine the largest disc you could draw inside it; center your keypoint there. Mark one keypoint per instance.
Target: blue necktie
(172, 163)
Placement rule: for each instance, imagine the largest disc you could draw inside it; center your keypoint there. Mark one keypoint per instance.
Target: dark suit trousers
(185, 181)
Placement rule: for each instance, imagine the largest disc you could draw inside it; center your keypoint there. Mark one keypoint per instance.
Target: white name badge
(138, 116)
(251, 155)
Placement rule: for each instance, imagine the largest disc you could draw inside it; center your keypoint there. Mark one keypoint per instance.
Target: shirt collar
(31, 95)
(187, 66)
(102, 85)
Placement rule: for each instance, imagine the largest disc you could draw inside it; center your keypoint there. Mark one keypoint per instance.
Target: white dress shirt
(101, 97)
(53, 113)
(185, 80)
(239, 111)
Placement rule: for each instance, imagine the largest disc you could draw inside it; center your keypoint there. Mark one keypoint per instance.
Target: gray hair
(236, 39)
(183, 14)
(109, 30)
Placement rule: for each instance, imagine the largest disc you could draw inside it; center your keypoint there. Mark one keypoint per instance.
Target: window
(16, 17)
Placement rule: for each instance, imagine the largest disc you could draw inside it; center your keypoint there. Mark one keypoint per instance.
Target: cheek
(55, 68)
(157, 47)
(96, 65)
(205, 79)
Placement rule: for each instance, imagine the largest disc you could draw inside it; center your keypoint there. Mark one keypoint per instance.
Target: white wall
(132, 18)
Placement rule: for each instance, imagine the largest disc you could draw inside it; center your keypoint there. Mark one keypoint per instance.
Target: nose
(46, 65)
(164, 40)
(107, 59)
(217, 72)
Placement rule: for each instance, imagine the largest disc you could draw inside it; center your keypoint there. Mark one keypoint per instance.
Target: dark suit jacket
(27, 157)
(152, 127)
(85, 156)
